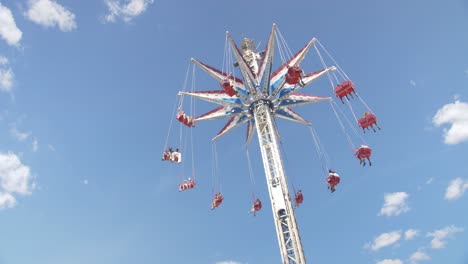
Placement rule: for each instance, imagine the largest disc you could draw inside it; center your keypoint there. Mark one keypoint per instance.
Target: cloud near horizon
(390, 261)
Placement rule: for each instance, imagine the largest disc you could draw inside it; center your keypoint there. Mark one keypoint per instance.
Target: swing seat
(293, 75)
(176, 157)
(166, 156)
(367, 121)
(363, 152)
(180, 116)
(185, 119)
(189, 122)
(333, 179)
(299, 198)
(343, 89)
(257, 206)
(217, 201)
(187, 185)
(228, 87)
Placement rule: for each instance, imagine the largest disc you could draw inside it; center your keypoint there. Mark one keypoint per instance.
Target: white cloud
(456, 189)
(49, 13)
(8, 29)
(439, 236)
(35, 145)
(411, 233)
(395, 204)
(125, 11)
(51, 148)
(7, 200)
(418, 256)
(384, 240)
(19, 135)
(3, 61)
(85, 182)
(455, 114)
(390, 261)
(6, 75)
(15, 178)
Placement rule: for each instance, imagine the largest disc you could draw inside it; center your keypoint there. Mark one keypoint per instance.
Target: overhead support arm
(278, 77)
(247, 73)
(265, 67)
(220, 76)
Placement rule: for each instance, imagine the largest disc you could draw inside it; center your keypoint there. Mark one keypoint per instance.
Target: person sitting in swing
(176, 156)
(217, 200)
(362, 153)
(257, 206)
(298, 198)
(294, 76)
(185, 119)
(187, 184)
(333, 179)
(167, 155)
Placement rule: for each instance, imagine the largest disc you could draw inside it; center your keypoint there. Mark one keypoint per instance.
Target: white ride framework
(256, 99)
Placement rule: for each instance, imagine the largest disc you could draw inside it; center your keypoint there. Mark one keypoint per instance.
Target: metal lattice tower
(260, 96)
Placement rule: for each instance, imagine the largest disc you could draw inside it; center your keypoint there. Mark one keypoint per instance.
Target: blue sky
(87, 90)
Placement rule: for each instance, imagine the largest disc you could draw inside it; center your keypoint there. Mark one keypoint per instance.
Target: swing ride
(257, 99)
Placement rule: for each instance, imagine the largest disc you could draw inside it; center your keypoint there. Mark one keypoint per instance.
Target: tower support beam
(285, 221)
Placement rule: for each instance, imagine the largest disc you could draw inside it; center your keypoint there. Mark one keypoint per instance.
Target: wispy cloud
(6, 74)
(456, 189)
(413, 83)
(390, 261)
(8, 29)
(455, 114)
(7, 200)
(125, 11)
(384, 240)
(395, 204)
(411, 233)
(15, 178)
(439, 236)
(35, 145)
(418, 256)
(18, 135)
(49, 13)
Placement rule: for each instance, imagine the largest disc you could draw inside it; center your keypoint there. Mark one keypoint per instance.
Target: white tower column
(283, 212)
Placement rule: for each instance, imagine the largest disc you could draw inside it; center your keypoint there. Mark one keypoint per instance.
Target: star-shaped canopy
(258, 83)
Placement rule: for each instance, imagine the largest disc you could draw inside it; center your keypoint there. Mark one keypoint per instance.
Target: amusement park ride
(257, 99)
